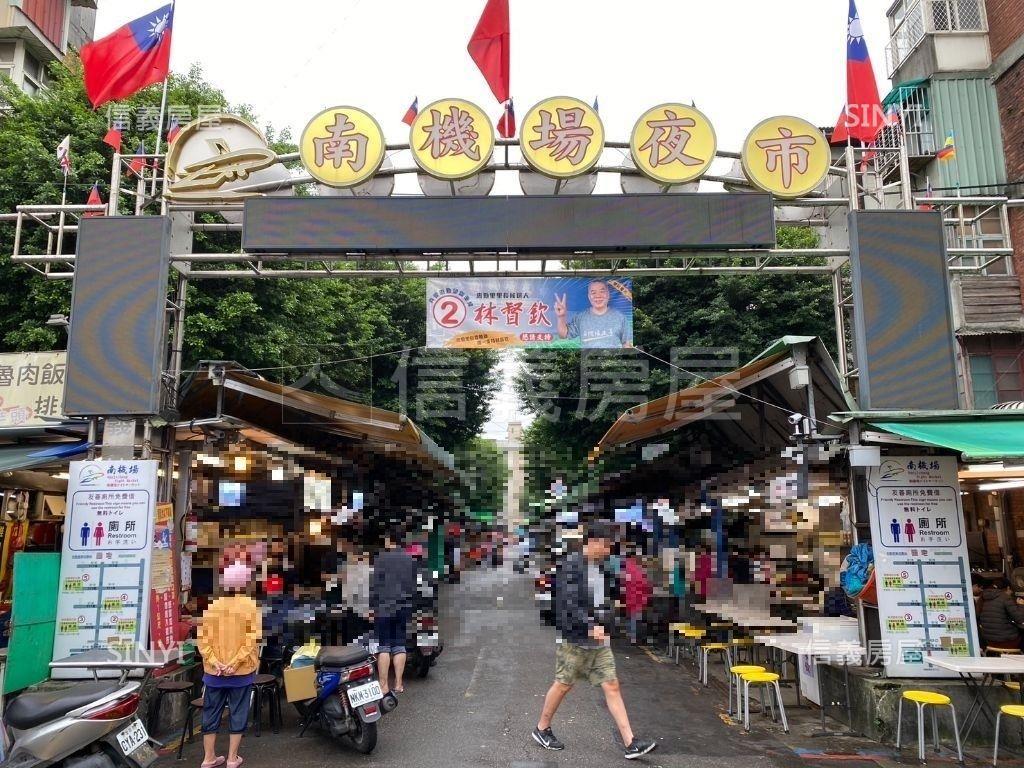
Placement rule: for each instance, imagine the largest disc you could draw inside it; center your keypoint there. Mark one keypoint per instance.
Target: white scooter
(87, 725)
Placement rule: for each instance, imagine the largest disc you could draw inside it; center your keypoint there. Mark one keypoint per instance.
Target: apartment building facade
(941, 56)
(34, 33)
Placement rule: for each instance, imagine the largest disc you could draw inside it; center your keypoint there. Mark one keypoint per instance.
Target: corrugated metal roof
(967, 106)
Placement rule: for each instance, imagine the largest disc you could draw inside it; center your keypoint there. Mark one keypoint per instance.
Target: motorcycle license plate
(365, 694)
(132, 737)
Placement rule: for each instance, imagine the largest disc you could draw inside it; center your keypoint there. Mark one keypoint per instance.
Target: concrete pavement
(481, 701)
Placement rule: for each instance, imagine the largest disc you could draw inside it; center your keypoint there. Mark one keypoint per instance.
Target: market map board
(105, 562)
(922, 571)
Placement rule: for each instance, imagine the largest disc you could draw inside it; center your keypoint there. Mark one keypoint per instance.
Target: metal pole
(178, 342)
(905, 185)
(115, 185)
(160, 130)
(837, 294)
(60, 222)
(851, 170)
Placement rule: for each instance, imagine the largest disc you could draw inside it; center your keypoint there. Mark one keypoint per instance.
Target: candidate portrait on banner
(551, 312)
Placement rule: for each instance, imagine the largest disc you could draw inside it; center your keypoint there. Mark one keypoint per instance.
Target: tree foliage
(576, 395)
(283, 327)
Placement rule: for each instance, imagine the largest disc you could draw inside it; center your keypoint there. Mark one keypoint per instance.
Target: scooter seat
(341, 655)
(31, 709)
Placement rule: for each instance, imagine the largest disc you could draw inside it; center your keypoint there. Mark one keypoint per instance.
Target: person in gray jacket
(1000, 618)
(583, 599)
(391, 591)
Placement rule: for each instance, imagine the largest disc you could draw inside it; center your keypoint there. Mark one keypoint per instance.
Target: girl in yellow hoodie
(229, 633)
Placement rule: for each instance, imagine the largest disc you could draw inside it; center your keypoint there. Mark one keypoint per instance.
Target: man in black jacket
(583, 595)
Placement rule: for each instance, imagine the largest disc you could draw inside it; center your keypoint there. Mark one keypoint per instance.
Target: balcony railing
(927, 17)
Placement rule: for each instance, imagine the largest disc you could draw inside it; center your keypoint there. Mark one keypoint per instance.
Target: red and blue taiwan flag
(863, 117)
(130, 58)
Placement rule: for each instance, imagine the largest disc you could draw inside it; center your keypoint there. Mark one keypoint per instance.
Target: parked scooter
(423, 642)
(87, 725)
(349, 699)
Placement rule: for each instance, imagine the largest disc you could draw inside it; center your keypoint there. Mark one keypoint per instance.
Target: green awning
(989, 439)
(903, 91)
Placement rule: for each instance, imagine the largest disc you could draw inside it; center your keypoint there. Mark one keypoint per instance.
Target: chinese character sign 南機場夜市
(922, 570)
(105, 567)
(549, 312)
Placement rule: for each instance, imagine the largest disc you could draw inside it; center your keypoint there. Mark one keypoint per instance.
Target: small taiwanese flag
(412, 111)
(929, 192)
(948, 151)
(596, 108)
(94, 199)
(507, 121)
(113, 137)
(138, 163)
(173, 130)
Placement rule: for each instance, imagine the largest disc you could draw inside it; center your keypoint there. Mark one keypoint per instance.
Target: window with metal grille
(997, 368)
(977, 226)
(983, 382)
(956, 15)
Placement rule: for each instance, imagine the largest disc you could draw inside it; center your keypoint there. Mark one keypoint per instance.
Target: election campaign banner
(497, 313)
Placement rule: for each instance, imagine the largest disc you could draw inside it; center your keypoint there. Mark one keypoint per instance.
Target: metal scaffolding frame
(861, 178)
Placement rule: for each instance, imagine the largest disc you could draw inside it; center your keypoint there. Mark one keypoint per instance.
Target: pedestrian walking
(229, 633)
(583, 596)
(638, 593)
(391, 593)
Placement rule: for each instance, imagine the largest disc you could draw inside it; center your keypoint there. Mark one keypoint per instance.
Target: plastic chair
(734, 674)
(689, 642)
(1013, 710)
(705, 658)
(196, 705)
(166, 688)
(675, 628)
(743, 647)
(768, 680)
(266, 686)
(927, 699)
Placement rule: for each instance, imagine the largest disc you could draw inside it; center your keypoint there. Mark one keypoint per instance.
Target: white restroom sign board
(922, 571)
(103, 599)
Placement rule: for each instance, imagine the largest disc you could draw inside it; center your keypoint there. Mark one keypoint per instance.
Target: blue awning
(39, 455)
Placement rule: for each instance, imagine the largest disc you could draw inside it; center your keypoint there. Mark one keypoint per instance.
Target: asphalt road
(482, 699)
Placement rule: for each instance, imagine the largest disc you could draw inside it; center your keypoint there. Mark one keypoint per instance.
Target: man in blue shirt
(598, 327)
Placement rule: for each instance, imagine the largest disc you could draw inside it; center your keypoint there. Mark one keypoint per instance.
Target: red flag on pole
(130, 58)
(412, 111)
(138, 163)
(507, 121)
(113, 138)
(489, 47)
(94, 199)
(863, 117)
(173, 130)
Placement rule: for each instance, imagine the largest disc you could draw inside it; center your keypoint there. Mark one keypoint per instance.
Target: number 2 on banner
(450, 312)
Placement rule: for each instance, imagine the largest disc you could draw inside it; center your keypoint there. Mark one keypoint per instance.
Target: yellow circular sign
(561, 137)
(786, 156)
(342, 146)
(673, 143)
(451, 139)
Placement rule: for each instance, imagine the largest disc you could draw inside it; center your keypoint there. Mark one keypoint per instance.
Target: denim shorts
(390, 631)
(235, 699)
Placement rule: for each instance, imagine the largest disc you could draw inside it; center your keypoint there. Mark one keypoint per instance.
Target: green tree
(283, 327)
(485, 469)
(739, 314)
